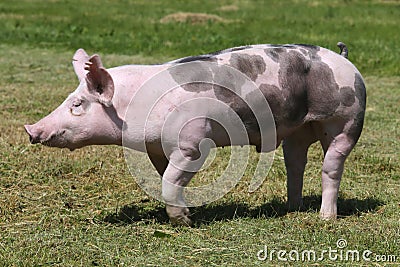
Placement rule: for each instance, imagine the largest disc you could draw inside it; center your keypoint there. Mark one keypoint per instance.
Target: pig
(314, 94)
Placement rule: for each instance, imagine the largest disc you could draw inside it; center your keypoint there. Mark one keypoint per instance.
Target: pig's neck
(127, 80)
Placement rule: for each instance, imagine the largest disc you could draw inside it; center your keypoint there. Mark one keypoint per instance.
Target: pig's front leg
(178, 174)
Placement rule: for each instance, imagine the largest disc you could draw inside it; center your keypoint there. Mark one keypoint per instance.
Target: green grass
(59, 208)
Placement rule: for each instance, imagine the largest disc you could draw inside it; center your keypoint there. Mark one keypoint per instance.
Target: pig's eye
(76, 108)
(77, 103)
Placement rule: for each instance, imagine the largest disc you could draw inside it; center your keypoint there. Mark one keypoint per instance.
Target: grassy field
(83, 208)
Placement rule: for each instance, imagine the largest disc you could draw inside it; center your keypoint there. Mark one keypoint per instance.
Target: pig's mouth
(61, 138)
(54, 140)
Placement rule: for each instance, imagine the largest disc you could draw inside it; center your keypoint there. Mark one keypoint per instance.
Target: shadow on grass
(226, 211)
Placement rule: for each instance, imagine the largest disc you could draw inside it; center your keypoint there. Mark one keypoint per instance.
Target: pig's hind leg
(295, 148)
(337, 138)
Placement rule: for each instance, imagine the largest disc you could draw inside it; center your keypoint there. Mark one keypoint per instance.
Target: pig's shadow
(140, 212)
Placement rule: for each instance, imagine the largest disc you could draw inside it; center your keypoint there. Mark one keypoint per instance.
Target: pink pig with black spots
(314, 94)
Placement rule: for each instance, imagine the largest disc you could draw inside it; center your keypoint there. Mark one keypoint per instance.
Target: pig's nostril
(28, 131)
(32, 140)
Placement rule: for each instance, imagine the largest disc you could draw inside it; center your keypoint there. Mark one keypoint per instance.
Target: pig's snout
(39, 134)
(33, 136)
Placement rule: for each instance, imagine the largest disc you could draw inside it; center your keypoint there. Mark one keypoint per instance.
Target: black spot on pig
(227, 77)
(228, 96)
(310, 47)
(347, 96)
(197, 86)
(356, 128)
(293, 72)
(241, 108)
(303, 51)
(360, 93)
(193, 77)
(239, 103)
(210, 58)
(323, 91)
(312, 50)
(360, 90)
(250, 65)
(276, 101)
(239, 48)
(291, 46)
(274, 53)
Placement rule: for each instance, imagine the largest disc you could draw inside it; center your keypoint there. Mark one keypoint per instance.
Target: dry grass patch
(193, 18)
(390, 2)
(228, 8)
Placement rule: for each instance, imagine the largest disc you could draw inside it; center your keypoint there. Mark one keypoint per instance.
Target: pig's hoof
(181, 221)
(179, 215)
(328, 216)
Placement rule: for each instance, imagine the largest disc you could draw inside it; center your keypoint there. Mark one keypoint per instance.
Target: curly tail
(343, 49)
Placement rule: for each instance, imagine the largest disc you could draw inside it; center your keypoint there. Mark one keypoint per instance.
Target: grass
(59, 208)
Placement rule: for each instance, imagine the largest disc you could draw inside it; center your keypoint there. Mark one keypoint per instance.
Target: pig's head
(87, 116)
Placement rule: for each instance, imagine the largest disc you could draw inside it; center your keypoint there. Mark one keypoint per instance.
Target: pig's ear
(78, 61)
(99, 81)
